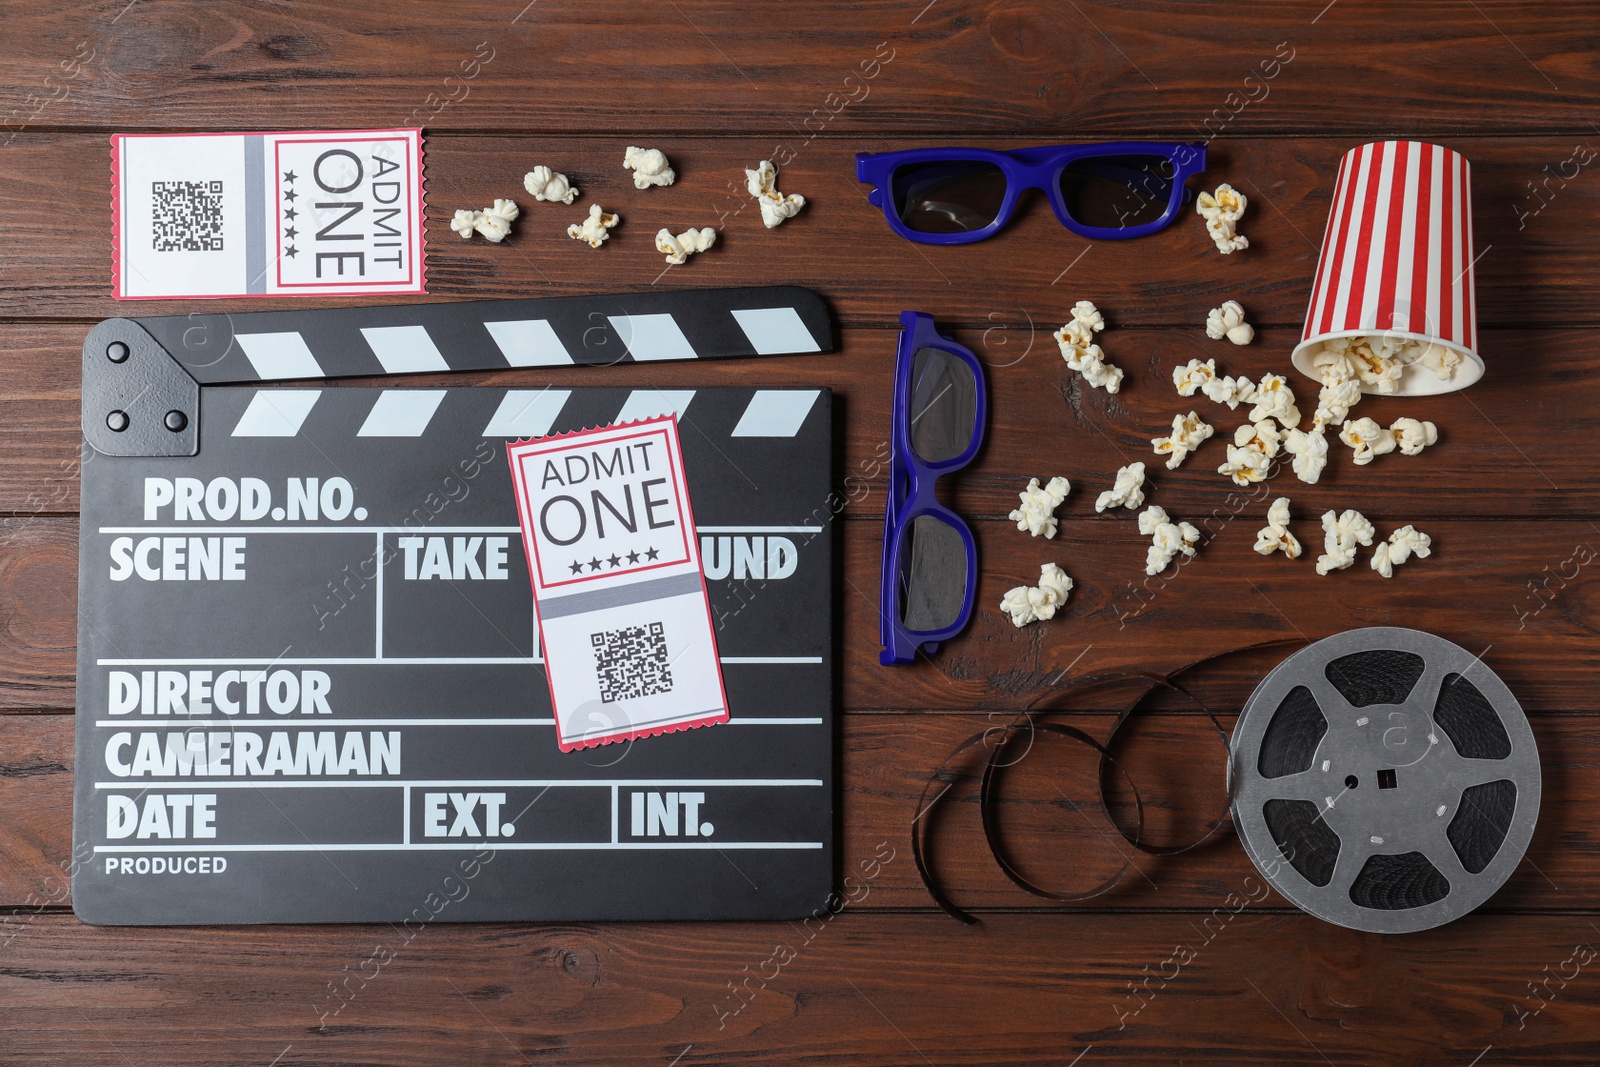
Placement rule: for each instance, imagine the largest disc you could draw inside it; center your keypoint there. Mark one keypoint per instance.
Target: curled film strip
(1383, 779)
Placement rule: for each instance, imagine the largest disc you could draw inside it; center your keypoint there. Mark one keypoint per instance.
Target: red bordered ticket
(310, 213)
(624, 619)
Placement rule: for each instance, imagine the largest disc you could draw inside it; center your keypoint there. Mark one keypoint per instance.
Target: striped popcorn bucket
(1396, 266)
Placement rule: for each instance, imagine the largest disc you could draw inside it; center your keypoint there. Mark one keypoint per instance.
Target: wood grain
(1509, 495)
(1533, 246)
(1052, 823)
(1516, 444)
(1536, 626)
(1020, 66)
(857, 988)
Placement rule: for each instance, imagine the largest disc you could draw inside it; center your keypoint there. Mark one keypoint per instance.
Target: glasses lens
(954, 197)
(944, 405)
(1116, 192)
(933, 575)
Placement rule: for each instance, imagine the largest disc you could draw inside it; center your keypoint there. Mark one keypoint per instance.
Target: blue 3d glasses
(930, 561)
(1112, 191)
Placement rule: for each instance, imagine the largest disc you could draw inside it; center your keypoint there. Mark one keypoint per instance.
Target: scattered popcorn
(649, 166)
(1188, 431)
(596, 229)
(1128, 492)
(493, 222)
(1015, 603)
(761, 183)
(1152, 517)
(1404, 543)
(1261, 436)
(1413, 436)
(1336, 558)
(465, 223)
(1310, 452)
(1340, 535)
(1335, 401)
(1167, 539)
(1085, 314)
(1036, 515)
(1194, 375)
(1252, 452)
(1230, 391)
(1275, 535)
(678, 249)
(1222, 211)
(1090, 362)
(1368, 439)
(1033, 604)
(1351, 525)
(1203, 376)
(1228, 321)
(546, 184)
(1082, 354)
(1054, 582)
(1275, 400)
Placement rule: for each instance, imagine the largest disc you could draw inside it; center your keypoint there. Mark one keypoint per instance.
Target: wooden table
(1159, 970)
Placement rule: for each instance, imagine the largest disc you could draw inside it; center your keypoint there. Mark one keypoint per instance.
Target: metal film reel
(1387, 780)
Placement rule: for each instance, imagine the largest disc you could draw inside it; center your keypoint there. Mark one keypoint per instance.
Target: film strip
(1383, 779)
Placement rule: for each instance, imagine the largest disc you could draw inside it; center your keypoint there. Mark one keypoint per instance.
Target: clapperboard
(309, 683)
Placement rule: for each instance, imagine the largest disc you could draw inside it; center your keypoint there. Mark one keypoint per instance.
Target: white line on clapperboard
(510, 846)
(379, 657)
(426, 783)
(409, 530)
(613, 784)
(426, 661)
(186, 721)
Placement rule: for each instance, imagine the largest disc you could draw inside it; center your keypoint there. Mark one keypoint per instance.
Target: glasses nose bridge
(921, 488)
(1023, 175)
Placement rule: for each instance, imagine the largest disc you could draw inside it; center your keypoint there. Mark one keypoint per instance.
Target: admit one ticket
(309, 213)
(624, 619)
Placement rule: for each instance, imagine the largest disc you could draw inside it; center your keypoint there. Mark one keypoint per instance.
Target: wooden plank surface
(1535, 626)
(1516, 444)
(1097, 68)
(857, 987)
(1155, 972)
(1050, 813)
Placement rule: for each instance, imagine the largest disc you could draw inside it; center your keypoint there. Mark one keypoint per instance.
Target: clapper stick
(141, 377)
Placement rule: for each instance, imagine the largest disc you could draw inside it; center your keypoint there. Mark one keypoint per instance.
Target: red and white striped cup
(1397, 260)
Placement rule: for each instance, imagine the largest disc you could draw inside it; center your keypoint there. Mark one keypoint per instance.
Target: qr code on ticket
(632, 662)
(187, 216)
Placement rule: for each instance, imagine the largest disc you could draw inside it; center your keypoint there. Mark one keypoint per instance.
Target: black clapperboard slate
(278, 726)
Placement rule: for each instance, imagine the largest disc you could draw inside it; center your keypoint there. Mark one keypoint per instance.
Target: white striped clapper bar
(141, 377)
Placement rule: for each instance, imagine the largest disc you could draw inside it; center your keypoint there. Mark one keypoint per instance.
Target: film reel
(1385, 780)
